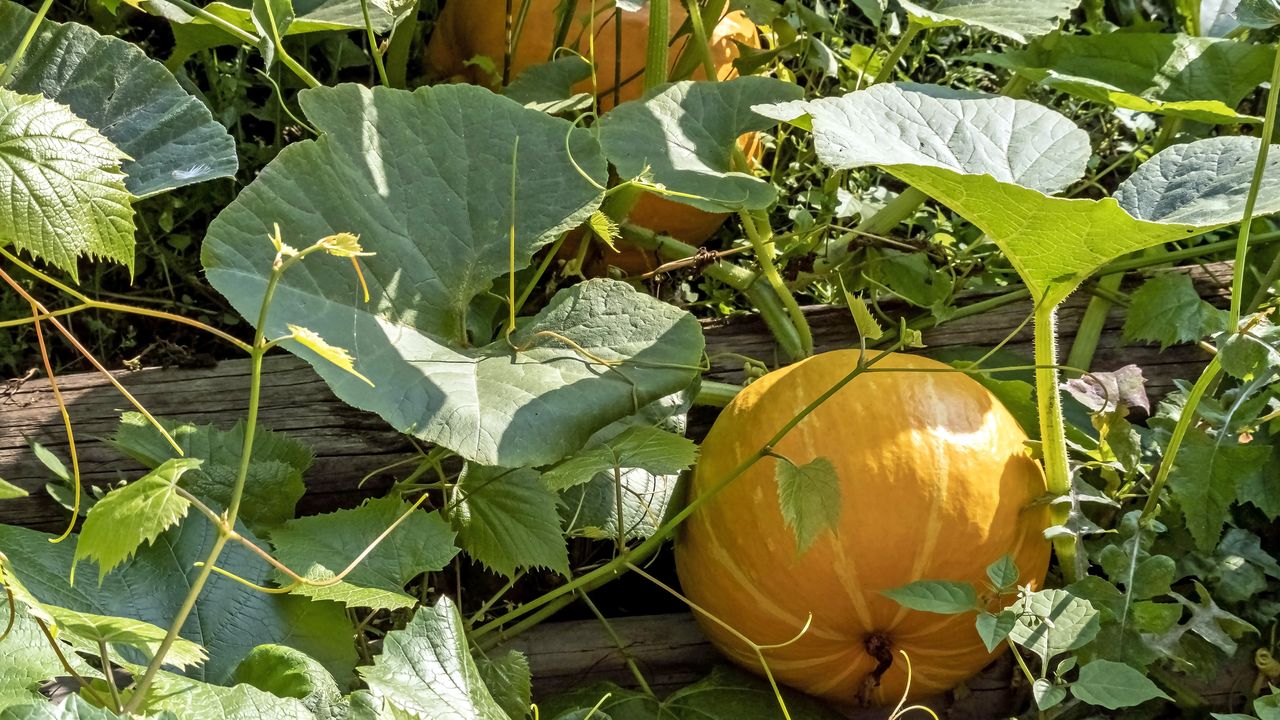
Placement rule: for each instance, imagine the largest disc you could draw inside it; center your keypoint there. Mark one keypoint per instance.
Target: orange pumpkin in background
(467, 28)
(935, 484)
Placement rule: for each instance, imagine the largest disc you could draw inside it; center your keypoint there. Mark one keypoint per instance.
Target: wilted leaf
(1109, 392)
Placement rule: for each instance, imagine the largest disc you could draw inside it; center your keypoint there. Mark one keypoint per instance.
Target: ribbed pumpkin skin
(936, 484)
(467, 28)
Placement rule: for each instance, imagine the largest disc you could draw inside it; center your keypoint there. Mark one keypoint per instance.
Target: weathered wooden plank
(350, 443)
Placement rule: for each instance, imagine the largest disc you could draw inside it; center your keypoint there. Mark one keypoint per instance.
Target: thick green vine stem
(1053, 434)
(655, 57)
(739, 278)
(899, 49)
(1188, 416)
(763, 246)
(1242, 242)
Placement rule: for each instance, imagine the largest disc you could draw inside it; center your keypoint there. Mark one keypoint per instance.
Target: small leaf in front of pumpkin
(1047, 694)
(868, 327)
(1052, 622)
(335, 355)
(936, 596)
(1003, 573)
(1114, 685)
(809, 496)
(993, 628)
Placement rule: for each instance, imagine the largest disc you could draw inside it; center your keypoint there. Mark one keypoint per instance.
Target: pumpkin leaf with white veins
(129, 516)
(321, 546)
(968, 151)
(168, 136)
(425, 180)
(684, 136)
(1196, 78)
(425, 670)
(1015, 19)
(507, 520)
(65, 191)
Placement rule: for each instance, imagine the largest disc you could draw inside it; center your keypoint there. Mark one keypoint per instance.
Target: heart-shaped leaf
(169, 136)
(684, 136)
(1016, 19)
(426, 180)
(968, 150)
(1197, 78)
(65, 194)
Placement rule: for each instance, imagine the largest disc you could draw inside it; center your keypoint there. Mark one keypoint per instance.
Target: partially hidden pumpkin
(935, 484)
(467, 28)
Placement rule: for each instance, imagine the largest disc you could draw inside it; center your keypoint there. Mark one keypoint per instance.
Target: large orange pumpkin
(467, 28)
(935, 484)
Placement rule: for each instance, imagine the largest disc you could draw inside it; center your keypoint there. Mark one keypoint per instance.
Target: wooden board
(349, 443)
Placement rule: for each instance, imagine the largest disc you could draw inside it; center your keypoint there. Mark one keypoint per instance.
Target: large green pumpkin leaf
(169, 137)
(684, 136)
(274, 484)
(229, 619)
(425, 670)
(425, 179)
(129, 516)
(321, 546)
(967, 150)
(1197, 78)
(64, 193)
(1016, 19)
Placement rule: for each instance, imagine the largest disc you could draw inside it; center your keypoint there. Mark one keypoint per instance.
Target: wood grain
(349, 443)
